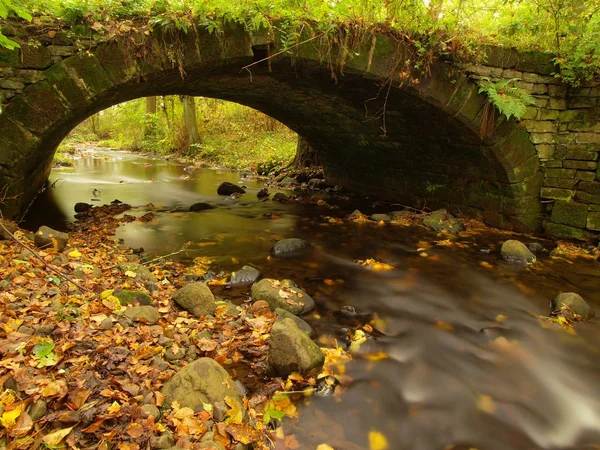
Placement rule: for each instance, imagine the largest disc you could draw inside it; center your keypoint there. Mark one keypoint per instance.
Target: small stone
(246, 275)
(291, 350)
(201, 207)
(38, 410)
(141, 272)
(395, 215)
(291, 247)
(10, 226)
(106, 324)
(381, 218)
(165, 341)
(46, 237)
(515, 251)
(26, 330)
(151, 411)
(536, 248)
(282, 294)
(280, 197)
(60, 260)
(160, 363)
(227, 188)
(568, 303)
(85, 270)
(171, 355)
(165, 441)
(321, 195)
(262, 193)
(45, 330)
(196, 298)
(143, 314)
(82, 207)
(317, 183)
(441, 221)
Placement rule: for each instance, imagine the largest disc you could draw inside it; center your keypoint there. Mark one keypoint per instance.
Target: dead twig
(48, 266)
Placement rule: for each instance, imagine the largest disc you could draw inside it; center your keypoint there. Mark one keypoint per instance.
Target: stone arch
(430, 154)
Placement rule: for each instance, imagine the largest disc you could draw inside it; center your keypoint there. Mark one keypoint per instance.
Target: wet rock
(127, 297)
(151, 411)
(227, 188)
(284, 314)
(291, 247)
(262, 193)
(200, 206)
(82, 207)
(326, 386)
(85, 270)
(203, 381)
(143, 314)
(536, 248)
(116, 201)
(11, 227)
(515, 251)
(569, 303)
(282, 294)
(287, 181)
(196, 298)
(291, 350)
(280, 197)
(246, 275)
(141, 272)
(441, 221)
(38, 410)
(321, 195)
(381, 218)
(46, 237)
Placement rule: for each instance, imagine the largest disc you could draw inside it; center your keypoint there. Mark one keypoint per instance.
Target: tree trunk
(191, 123)
(305, 155)
(149, 119)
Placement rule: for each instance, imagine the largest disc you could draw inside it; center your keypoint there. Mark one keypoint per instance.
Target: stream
(465, 361)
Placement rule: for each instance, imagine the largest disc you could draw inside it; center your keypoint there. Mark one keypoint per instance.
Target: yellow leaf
(486, 403)
(235, 414)
(377, 356)
(112, 303)
(130, 274)
(501, 318)
(377, 441)
(53, 439)
(324, 447)
(114, 408)
(12, 325)
(8, 418)
(75, 254)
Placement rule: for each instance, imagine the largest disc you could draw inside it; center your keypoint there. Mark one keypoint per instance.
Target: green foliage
(11, 8)
(511, 100)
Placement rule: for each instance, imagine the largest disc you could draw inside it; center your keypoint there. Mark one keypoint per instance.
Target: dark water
(523, 384)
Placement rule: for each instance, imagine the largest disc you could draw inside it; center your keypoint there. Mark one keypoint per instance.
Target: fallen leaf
(53, 439)
(377, 441)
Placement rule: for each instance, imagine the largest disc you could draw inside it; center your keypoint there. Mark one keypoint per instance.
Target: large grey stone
(201, 382)
(569, 303)
(143, 314)
(515, 251)
(196, 298)
(282, 294)
(283, 314)
(291, 350)
(291, 247)
(47, 237)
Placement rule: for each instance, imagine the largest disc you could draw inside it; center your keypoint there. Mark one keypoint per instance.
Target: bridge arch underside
(429, 156)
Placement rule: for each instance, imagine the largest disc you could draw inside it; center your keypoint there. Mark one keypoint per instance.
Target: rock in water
(264, 192)
(283, 314)
(516, 251)
(282, 294)
(442, 221)
(200, 206)
(47, 237)
(280, 197)
(227, 188)
(246, 275)
(568, 303)
(203, 381)
(196, 298)
(291, 350)
(291, 247)
(381, 218)
(82, 207)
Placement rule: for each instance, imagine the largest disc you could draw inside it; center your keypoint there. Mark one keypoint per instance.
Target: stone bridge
(417, 145)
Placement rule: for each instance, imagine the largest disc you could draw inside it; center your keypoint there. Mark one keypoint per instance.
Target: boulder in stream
(47, 237)
(246, 275)
(227, 188)
(203, 382)
(291, 350)
(515, 251)
(284, 314)
(201, 206)
(441, 221)
(282, 294)
(291, 247)
(381, 218)
(569, 303)
(82, 207)
(196, 298)
(280, 197)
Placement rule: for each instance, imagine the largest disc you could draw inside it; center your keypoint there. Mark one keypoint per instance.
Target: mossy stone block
(570, 213)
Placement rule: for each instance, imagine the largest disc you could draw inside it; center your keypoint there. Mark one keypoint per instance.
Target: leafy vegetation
(233, 136)
(10, 8)
(507, 96)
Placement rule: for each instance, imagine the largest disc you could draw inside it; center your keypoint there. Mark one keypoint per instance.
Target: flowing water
(469, 364)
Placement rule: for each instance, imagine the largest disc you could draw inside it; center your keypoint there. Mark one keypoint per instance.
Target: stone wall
(564, 126)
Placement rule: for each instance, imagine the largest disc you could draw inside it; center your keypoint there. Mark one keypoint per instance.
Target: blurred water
(521, 384)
